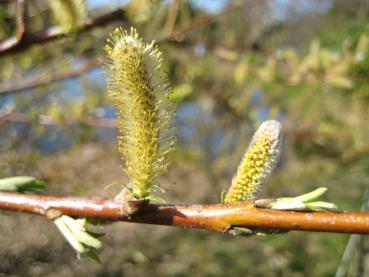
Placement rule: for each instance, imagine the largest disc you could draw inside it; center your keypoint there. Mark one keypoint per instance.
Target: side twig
(20, 28)
(50, 121)
(13, 44)
(35, 81)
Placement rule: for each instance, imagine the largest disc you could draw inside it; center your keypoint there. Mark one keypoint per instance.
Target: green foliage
(76, 233)
(304, 202)
(22, 184)
(320, 65)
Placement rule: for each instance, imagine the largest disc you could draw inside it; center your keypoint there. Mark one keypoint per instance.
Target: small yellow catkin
(139, 88)
(70, 14)
(258, 162)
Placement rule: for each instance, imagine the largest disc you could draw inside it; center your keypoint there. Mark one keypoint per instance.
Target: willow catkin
(258, 162)
(139, 89)
(70, 14)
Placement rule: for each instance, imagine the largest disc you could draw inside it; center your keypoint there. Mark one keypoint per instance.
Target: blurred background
(232, 64)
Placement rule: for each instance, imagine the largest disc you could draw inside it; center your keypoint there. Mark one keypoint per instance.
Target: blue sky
(279, 7)
(212, 6)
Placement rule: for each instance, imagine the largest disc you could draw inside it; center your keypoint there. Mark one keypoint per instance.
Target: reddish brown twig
(218, 218)
(13, 44)
(21, 28)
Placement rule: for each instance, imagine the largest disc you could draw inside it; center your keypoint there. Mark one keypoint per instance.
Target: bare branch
(54, 33)
(13, 44)
(38, 80)
(219, 217)
(49, 121)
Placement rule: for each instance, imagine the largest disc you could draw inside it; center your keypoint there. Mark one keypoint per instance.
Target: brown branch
(218, 217)
(35, 81)
(50, 121)
(19, 117)
(12, 45)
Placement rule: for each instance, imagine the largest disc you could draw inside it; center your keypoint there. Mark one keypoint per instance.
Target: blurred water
(191, 115)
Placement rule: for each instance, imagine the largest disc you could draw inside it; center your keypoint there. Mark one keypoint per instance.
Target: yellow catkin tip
(258, 162)
(139, 89)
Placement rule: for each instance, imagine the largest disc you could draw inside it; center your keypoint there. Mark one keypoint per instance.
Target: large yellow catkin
(70, 14)
(139, 89)
(258, 162)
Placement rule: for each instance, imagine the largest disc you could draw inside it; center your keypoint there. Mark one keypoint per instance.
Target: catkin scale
(139, 89)
(257, 163)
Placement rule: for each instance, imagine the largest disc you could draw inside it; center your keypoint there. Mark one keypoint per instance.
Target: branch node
(264, 203)
(242, 231)
(239, 231)
(129, 205)
(52, 214)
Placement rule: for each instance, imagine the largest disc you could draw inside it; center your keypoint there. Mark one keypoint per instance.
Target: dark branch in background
(11, 87)
(13, 44)
(49, 121)
(35, 81)
(176, 36)
(20, 117)
(43, 79)
(219, 217)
